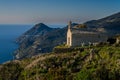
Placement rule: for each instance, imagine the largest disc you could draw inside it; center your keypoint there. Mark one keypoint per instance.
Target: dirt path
(34, 63)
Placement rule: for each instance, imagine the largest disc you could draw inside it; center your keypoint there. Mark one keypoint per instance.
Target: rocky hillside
(100, 62)
(42, 39)
(111, 23)
(39, 39)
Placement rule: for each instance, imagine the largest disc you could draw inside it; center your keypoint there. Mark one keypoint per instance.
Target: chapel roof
(83, 31)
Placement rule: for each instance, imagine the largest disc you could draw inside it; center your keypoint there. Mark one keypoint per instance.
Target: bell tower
(69, 34)
(69, 24)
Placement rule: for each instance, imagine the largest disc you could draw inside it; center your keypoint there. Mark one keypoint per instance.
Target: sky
(55, 11)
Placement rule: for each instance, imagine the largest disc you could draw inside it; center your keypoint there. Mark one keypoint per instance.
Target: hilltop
(100, 62)
(42, 39)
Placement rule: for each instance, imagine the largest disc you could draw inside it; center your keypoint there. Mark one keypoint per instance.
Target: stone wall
(86, 39)
(67, 50)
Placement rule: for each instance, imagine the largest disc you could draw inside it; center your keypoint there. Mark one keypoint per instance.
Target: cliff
(39, 39)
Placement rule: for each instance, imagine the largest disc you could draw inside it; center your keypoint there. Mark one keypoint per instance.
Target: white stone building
(84, 36)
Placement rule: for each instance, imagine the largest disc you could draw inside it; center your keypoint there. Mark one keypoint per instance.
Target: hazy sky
(55, 11)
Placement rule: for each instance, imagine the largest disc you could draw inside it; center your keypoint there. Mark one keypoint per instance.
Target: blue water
(8, 35)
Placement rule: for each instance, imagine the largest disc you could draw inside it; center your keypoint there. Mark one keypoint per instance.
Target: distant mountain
(37, 30)
(39, 39)
(42, 39)
(111, 23)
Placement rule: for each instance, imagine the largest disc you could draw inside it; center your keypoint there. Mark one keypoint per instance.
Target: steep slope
(39, 39)
(42, 39)
(38, 29)
(111, 23)
(90, 63)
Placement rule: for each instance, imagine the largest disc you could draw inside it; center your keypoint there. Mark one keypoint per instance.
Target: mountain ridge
(35, 39)
(111, 24)
(51, 37)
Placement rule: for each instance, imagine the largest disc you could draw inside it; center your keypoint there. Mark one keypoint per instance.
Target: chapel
(80, 36)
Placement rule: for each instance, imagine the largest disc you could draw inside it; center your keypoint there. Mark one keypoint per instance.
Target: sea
(8, 35)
